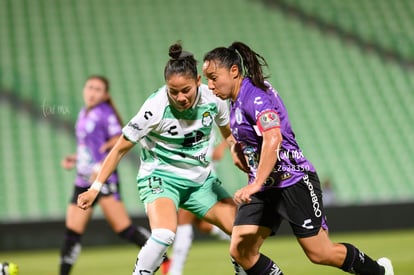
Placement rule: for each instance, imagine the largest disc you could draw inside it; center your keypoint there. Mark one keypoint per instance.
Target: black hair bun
(175, 51)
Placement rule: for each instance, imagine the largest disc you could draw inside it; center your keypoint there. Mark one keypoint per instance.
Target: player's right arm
(121, 147)
(235, 149)
(142, 123)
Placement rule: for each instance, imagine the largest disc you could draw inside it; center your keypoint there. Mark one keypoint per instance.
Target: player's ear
(198, 80)
(234, 71)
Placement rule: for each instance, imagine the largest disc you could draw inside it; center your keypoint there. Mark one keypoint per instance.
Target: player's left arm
(268, 123)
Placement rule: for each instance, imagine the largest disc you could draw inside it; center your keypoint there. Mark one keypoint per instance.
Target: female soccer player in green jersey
(174, 126)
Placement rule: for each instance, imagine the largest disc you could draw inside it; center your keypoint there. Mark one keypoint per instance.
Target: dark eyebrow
(209, 75)
(186, 88)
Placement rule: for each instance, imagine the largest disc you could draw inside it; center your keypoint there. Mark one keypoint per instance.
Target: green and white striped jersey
(176, 144)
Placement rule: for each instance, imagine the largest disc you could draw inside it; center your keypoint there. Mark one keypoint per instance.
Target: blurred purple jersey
(94, 128)
(254, 111)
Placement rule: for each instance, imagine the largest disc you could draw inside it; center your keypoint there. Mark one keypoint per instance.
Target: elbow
(277, 141)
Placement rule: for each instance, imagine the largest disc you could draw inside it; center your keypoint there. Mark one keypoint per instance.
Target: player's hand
(69, 162)
(238, 158)
(86, 199)
(243, 195)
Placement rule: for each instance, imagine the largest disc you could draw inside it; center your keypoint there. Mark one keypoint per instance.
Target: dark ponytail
(248, 62)
(181, 62)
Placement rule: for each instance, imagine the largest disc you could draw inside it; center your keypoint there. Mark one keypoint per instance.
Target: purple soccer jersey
(94, 128)
(253, 105)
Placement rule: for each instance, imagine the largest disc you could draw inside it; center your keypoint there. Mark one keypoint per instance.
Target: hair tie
(241, 61)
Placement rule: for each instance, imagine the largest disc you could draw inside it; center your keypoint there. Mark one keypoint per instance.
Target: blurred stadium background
(345, 70)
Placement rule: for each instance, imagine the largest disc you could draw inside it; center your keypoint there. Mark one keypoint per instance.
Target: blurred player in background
(186, 221)
(173, 127)
(283, 184)
(97, 129)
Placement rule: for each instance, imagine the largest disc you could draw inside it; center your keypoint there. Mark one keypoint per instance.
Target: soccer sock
(359, 263)
(152, 253)
(264, 266)
(181, 247)
(137, 235)
(70, 251)
(220, 234)
(238, 270)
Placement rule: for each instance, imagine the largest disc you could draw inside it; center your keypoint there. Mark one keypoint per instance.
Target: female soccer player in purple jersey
(283, 184)
(97, 128)
(174, 127)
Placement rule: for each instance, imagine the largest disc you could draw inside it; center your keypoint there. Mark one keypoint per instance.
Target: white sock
(181, 247)
(151, 254)
(220, 234)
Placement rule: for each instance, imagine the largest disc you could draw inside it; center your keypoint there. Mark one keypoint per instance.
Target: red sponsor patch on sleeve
(268, 120)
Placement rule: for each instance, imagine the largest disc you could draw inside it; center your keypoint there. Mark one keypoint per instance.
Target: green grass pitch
(211, 257)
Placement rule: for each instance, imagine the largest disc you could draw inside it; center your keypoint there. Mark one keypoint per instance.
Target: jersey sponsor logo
(315, 201)
(207, 119)
(239, 117)
(307, 224)
(201, 157)
(268, 120)
(192, 138)
(171, 130)
(147, 115)
(134, 126)
(258, 100)
(285, 176)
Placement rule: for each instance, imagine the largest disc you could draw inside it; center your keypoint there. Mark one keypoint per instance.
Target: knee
(163, 236)
(244, 256)
(234, 253)
(243, 252)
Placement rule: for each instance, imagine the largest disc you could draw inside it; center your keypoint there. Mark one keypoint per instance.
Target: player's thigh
(186, 217)
(222, 214)
(155, 186)
(162, 213)
(205, 199)
(115, 212)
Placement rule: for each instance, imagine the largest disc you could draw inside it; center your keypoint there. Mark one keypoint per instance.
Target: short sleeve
(222, 117)
(143, 122)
